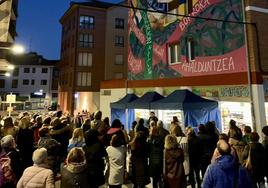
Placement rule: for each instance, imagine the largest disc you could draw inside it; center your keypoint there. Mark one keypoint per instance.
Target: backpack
(8, 174)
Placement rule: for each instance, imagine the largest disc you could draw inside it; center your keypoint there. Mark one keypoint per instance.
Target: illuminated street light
(7, 74)
(10, 67)
(17, 49)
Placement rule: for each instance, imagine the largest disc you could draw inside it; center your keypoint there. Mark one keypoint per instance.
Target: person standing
(174, 175)
(265, 147)
(226, 171)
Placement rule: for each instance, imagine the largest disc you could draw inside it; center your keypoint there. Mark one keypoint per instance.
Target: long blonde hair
(77, 136)
(171, 142)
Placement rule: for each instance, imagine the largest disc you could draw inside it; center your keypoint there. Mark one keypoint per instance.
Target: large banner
(218, 47)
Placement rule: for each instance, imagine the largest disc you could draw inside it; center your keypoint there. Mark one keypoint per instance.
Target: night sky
(38, 25)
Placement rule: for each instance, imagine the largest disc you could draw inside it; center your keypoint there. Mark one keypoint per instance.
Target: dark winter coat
(194, 151)
(265, 147)
(257, 160)
(156, 147)
(223, 173)
(95, 154)
(74, 175)
(174, 174)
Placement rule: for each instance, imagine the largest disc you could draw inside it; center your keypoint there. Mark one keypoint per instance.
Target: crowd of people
(87, 151)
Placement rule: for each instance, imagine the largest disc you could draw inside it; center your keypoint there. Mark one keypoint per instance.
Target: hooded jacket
(226, 172)
(74, 175)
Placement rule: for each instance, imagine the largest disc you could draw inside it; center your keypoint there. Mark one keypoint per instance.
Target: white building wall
(105, 100)
(26, 90)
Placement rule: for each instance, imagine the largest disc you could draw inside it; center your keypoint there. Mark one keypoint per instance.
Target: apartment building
(93, 49)
(34, 80)
(218, 51)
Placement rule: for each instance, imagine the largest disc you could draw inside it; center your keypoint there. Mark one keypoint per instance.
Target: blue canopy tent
(145, 101)
(119, 110)
(196, 109)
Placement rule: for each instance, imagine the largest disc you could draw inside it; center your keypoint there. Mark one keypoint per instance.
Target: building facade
(217, 50)
(34, 80)
(8, 17)
(93, 49)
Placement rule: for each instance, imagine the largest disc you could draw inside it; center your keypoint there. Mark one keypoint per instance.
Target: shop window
(119, 23)
(87, 22)
(174, 53)
(33, 70)
(85, 59)
(86, 41)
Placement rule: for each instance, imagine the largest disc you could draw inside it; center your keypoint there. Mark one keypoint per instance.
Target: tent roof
(184, 100)
(145, 101)
(122, 103)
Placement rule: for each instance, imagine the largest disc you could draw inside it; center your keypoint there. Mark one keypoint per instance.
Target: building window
(119, 23)
(25, 82)
(32, 82)
(14, 84)
(85, 59)
(43, 82)
(44, 70)
(87, 22)
(190, 49)
(118, 75)
(26, 70)
(2, 83)
(16, 72)
(119, 41)
(174, 53)
(54, 95)
(84, 79)
(119, 59)
(86, 41)
(33, 70)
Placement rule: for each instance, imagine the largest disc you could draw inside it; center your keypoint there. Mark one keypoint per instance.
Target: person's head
(8, 142)
(171, 142)
(78, 134)
(106, 121)
(175, 119)
(235, 133)
(254, 137)
(223, 147)
(265, 130)
(8, 122)
(190, 131)
(223, 136)
(152, 114)
(38, 119)
(176, 131)
(98, 115)
(59, 113)
(153, 131)
(160, 124)
(247, 130)
(86, 121)
(232, 123)
(141, 121)
(40, 156)
(116, 141)
(24, 122)
(43, 132)
(91, 137)
(201, 128)
(116, 124)
(75, 155)
(152, 123)
(55, 122)
(47, 120)
(134, 123)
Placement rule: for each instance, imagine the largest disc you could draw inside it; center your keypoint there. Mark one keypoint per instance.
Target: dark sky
(38, 25)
